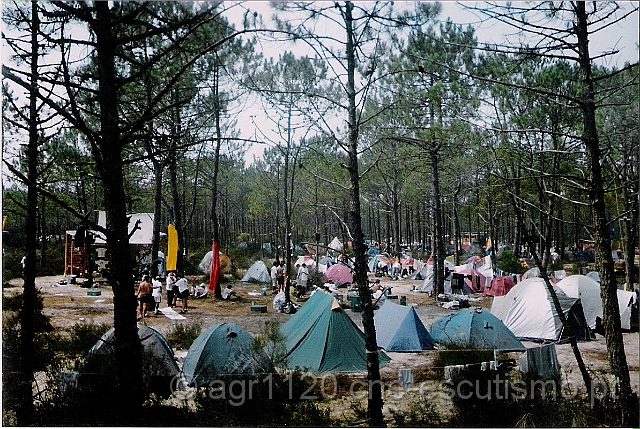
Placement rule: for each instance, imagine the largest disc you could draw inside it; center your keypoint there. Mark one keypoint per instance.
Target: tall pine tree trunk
(608, 289)
(108, 155)
(25, 409)
(630, 228)
(438, 234)
(456, 224)
(158, 168)
(214, 278)
(361, 277)
(175, 191)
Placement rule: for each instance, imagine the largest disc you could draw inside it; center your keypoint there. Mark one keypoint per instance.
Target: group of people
(150, 293)
(277, 277)
(177, 288)
(393, 269)
(279, 280)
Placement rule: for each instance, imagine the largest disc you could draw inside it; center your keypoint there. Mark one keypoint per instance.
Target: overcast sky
(623, 36)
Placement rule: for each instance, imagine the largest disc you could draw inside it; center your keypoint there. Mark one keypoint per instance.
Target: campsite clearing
(67, 305)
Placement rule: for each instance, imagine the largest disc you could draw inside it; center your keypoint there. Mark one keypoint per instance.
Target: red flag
(215, 266)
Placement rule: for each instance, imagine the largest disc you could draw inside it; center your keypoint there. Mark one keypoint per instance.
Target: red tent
(499, 286)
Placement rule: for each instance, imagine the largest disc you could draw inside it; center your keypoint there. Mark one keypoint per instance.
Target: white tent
(588, 290)
(531, 273)
(594, 275)
(257, 273)
(336, 245)
(427, 283)
(626, 300)
(528, 311)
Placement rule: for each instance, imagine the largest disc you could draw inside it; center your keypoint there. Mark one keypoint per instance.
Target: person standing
(396, 268)
(171, 297)
(280, 276)
(302, 276)
(157, 294)
(183, 292)
(144, 296)
(274, 277)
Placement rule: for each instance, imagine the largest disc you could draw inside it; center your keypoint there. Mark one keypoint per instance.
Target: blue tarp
(399, 329)
(474, 328)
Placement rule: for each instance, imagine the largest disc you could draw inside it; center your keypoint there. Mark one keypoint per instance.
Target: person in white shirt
(156, 292)
(378, 294)
(228, 292)
(303, 276)
(274, 276)
(171, 295)
(183, 292)
(199, 291)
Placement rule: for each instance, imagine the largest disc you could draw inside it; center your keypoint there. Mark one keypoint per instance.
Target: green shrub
(509, 262)
(14, 303)
(52, 262)
(83, 336)
(421, 413)
(269, 348)
(182, 335)
(576, 266)
(265, 397)
(11, 266)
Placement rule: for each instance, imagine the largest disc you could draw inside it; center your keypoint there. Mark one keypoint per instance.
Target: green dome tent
(322, 338)
(476, 329)
(220, 350)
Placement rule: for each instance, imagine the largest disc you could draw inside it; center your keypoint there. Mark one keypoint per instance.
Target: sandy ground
(67, 305)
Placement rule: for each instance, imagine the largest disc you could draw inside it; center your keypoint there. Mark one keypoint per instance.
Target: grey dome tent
(588, 290)
(257, 273)
(160, 369)
(399, 329)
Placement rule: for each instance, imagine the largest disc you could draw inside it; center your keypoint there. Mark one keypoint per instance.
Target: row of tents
(258, 272)
(526, 307)
(320, 338)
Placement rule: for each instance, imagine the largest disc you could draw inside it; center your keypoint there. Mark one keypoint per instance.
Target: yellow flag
(172, 248)
(4, 222)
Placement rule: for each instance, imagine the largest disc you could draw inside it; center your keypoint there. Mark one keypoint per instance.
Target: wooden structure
(75, 258)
